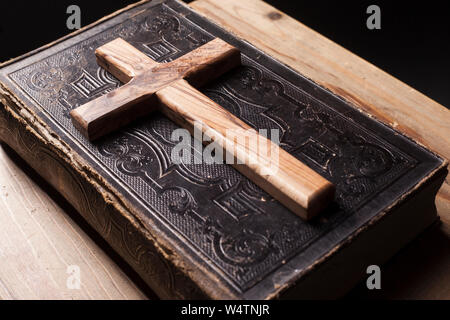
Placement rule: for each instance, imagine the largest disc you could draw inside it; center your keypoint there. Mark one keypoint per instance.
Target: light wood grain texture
(421, 270)
(38, 241)
(143, 78)
(284, 177)
(150, 86)
(366, 86)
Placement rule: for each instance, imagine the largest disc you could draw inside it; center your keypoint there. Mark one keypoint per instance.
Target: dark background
(413, 44)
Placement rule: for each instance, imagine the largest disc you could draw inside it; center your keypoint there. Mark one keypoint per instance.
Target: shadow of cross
(170, 88)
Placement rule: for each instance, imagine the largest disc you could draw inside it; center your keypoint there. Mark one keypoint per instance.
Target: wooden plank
(39, 241)
(366, 86)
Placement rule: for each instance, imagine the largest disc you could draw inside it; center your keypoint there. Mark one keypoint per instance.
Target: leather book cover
(205, 231)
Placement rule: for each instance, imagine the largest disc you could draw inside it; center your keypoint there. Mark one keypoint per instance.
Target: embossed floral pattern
(245, 234)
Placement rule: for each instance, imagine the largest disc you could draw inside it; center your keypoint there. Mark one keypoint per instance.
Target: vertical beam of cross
(170, 87)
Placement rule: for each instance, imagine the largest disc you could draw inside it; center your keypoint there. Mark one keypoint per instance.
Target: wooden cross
(170, 88)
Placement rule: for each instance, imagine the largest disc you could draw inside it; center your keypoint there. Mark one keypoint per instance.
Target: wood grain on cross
(170, 88)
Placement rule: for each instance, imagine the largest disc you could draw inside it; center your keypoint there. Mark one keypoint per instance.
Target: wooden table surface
(41, 235)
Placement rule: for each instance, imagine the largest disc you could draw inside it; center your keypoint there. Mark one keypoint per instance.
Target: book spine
(27, 136)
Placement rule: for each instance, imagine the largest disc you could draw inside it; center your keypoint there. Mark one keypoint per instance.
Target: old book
(205, 231)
